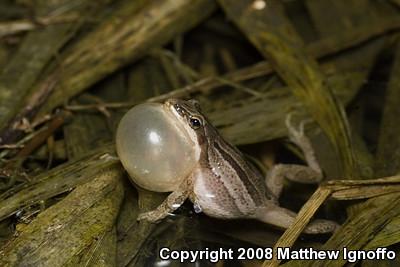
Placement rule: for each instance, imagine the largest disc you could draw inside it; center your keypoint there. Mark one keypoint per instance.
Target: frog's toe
(150, 216)
(321, 227)
(296, 134)
(142, 216)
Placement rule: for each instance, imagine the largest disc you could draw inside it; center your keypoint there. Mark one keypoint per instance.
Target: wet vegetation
(70, 69)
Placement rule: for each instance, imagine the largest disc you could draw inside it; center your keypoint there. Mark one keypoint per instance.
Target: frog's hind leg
(283, 218)
(170, 204)
(271, 213)
(297, 173)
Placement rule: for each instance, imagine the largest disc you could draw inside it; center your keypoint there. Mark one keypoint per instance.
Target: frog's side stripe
(249, 194)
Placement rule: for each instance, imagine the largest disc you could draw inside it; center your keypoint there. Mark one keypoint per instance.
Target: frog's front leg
(297, 173)
(170, 204)
(281, 217)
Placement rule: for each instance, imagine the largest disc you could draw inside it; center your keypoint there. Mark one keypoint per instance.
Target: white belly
(213, 198)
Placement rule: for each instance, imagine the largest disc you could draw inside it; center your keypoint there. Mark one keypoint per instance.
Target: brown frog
(224, 185)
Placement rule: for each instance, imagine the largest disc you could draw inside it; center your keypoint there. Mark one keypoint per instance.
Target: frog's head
(189, 114)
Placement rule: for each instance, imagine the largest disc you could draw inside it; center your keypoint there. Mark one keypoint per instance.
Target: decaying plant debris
(70, 69)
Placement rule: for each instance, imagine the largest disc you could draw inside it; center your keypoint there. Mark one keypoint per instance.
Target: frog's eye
(195, 123)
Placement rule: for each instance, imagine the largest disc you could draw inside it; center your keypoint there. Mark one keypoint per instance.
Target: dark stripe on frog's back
(251, 179)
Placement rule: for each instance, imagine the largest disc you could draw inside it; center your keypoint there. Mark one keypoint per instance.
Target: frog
(224, 184)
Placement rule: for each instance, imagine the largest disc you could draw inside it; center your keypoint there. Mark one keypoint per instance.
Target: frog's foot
(152, 216)
(320, 226)
(297, 173)
(283, 218)
(298, 137)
